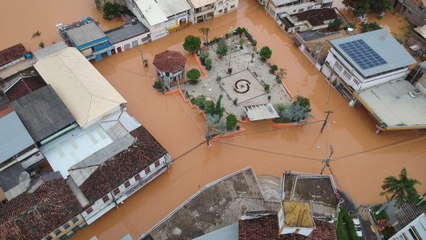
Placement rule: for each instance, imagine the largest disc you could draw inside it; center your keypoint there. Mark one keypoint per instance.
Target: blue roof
(373, 52)
(14, 136)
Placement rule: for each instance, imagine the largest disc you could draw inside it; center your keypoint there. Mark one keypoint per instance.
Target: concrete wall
(129, 43)
(275, 11)
(356, 81)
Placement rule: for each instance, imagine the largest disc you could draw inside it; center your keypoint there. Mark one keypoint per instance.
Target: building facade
(361, 61)
(203, 10)
(128, 36)
(413, 10)
(309, 20)
(170, 67)
(276, 8)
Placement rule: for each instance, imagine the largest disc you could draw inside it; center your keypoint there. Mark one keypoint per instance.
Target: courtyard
(245, 85)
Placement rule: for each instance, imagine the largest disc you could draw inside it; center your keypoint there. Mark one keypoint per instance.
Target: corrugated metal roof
(260, 112)
(43, 113)
(13, 136)
(86, 93)
(54, 48)
(172, 7)
(125, 32)
(384, 44)
(85, 33)
(151, 11)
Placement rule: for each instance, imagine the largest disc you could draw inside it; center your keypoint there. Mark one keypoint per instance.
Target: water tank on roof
(28, 55)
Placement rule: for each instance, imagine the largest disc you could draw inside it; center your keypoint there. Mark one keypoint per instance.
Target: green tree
(281, 73)
(240, 31)
(402, 189)
(367, 27)
(304, 102)
(192, 43)
(205, 31)
(112, 10)
(273, 69)
(265, 53)
(222, 49)
(219, 109)
(193, 76)
(231, 122)
(335, 25)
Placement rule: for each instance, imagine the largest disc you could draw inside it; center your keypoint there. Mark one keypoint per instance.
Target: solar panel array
(362, 54)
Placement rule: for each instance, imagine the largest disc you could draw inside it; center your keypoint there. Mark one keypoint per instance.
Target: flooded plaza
(360, 163)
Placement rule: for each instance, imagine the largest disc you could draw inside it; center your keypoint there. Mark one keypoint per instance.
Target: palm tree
(205, 31)
(402, 188)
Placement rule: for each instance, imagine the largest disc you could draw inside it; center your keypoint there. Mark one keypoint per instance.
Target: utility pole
(142, 57)
(326, 120)
(326, 161)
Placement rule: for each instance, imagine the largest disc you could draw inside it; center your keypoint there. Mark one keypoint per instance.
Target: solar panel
(362, 54)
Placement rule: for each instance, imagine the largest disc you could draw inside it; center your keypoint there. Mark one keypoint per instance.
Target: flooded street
(361, 161)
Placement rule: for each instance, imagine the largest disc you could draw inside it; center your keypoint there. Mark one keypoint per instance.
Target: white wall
(417, 227)
(221, 6)
(290, 10)
(356, 81)
(140, 40)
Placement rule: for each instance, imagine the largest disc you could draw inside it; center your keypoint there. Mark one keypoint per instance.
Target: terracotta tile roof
(316, 17)
(169, 61)
(34, 215)
(11, 54)
(24, 87)
(144, 151)
(266, 227)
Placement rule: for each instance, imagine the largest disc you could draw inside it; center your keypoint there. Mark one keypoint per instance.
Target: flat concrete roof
(384, 44)
(151, 11)
(172, 7)
(229, 232)
(200, 3)
(260, 112)
(392, 105)
(126, 32)
(85, 33)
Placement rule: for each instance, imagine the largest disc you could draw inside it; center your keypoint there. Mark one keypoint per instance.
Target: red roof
(316, 17)
(11, 54)
(169, 61)
(266, 227)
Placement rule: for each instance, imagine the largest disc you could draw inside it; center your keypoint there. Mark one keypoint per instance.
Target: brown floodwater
(361, 161)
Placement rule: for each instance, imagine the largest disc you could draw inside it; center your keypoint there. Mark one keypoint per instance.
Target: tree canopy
(192, 43)
(265, 53)
(193, 76)
(402, 189)
(222, 49)
(112, 10)
(367, 27)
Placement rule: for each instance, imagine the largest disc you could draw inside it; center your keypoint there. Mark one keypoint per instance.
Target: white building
(365, 60)
(149, 14)
(203, 10)
(128, 36)
(276, 8)
(310, 20)
(176, 11)
(413, 231)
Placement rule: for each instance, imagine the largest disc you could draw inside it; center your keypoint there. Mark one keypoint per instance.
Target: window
(232, 6)
(413, 228)
(413, 235)
(356, 81)
(75, 220)
(126, 184)
(137, 177)
(49, 237)
(338, 67)
(89, 210)
(147, 170)
(347, 75)
(57, 231)
(116, 191)
(66, 225)
(157, 163)
(105, 199)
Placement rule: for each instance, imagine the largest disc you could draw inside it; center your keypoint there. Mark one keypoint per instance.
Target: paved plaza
(245, 85)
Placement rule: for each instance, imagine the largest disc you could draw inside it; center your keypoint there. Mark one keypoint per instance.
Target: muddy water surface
(361, 159)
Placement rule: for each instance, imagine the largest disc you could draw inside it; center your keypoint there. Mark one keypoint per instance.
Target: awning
(260, 112)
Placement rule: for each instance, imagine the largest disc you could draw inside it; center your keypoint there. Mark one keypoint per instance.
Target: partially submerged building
(128, 36)
(14, 59)
(416, 40)
(361, 61)
(170, 67)
(310, 20)
(177, 12)
(276, 8)
(414, 230)
(87, 37)
(413, 10)
(149, 14)
(203, 10)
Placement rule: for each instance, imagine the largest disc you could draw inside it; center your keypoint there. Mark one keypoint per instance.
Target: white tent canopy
(85, 92)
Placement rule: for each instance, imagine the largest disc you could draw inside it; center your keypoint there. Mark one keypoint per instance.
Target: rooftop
(214, 206)
(87, 32)
(86, 93)
(172, 7)
(200, 3)
(298, 214)
(368, 53)
(24, 86)
(126, 31)
(316, 17)
(391, 104)
(281, 2)
(113, 172)
(169, 61)
(49, 50)
(5, 107)
(266, 227)
(34, 215)
(9, 177)
(151, 11)
(229, 232)
(11, 54)
(260, 112)
(43, 113)
(421, 31)
(14, 137)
